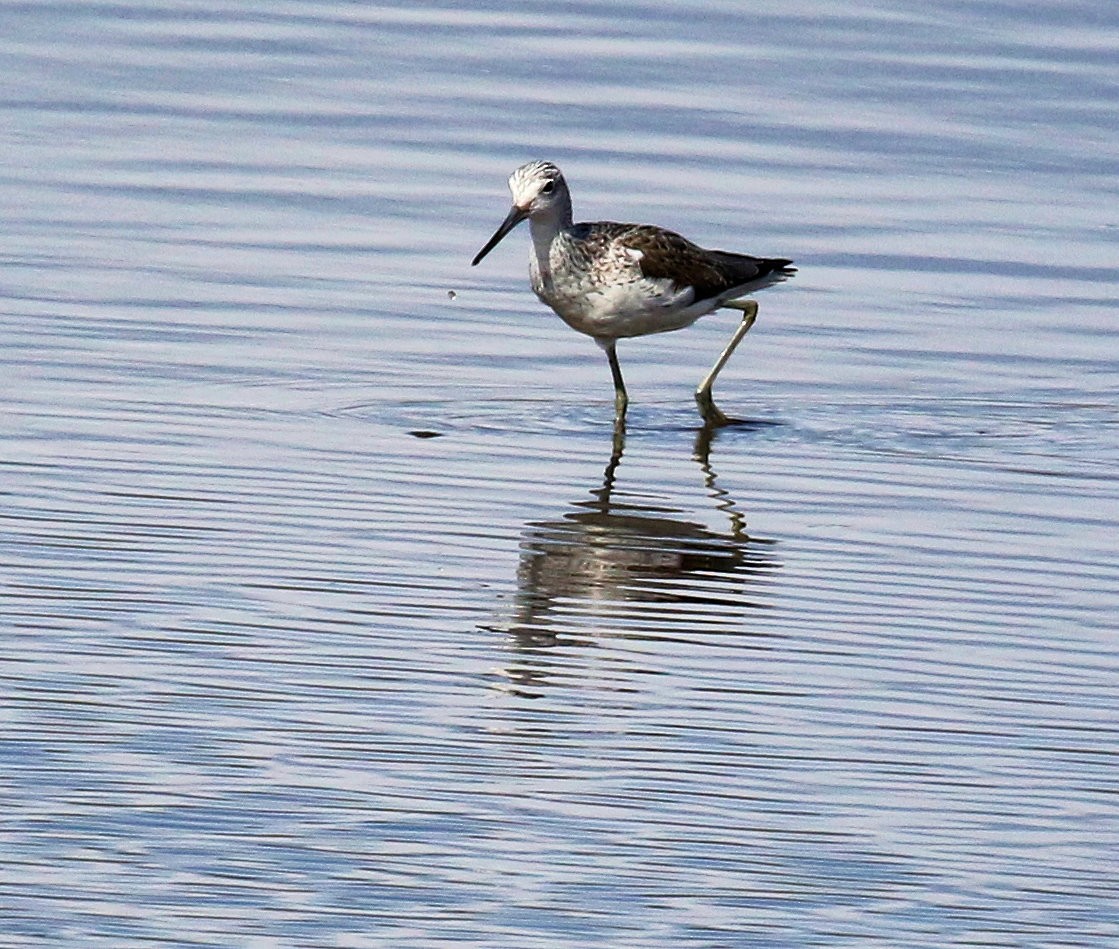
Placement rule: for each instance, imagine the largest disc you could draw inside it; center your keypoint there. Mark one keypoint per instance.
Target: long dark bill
(512, 219)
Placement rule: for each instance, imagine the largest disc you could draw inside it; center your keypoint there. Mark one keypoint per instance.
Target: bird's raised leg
(707, 408)
(621, 400)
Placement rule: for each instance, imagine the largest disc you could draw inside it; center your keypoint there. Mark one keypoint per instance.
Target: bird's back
(613, 280)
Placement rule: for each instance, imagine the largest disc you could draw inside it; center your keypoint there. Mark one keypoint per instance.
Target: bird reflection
(618, 564)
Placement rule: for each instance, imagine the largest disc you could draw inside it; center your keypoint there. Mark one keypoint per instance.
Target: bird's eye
(549, 187)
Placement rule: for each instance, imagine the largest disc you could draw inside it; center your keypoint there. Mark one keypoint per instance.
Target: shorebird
(613, 281)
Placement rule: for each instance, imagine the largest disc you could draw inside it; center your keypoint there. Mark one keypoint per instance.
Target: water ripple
(335, 612)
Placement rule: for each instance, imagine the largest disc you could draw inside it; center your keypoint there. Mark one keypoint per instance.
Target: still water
(333, 614)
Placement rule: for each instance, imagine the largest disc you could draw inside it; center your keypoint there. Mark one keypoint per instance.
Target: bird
(613, 281)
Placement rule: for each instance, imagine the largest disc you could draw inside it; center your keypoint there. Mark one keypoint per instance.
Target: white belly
(630, 305)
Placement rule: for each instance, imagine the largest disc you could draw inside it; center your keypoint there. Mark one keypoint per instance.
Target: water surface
(334, 613)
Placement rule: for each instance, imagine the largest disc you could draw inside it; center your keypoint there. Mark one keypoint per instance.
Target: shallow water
(334, 613)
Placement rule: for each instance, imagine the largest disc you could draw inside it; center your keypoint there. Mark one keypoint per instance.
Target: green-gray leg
(707, 408)
(621, 400)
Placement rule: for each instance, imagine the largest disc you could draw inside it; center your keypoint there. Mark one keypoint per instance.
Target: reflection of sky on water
(263, 650)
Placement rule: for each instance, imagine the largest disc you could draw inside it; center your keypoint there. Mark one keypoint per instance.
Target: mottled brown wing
(711, 273)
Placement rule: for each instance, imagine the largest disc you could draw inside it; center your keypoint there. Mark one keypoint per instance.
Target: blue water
(332, 612)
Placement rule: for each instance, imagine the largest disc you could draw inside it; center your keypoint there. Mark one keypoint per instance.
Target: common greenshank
(612, 281)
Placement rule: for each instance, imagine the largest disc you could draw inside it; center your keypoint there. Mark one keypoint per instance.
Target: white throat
(544, 231)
